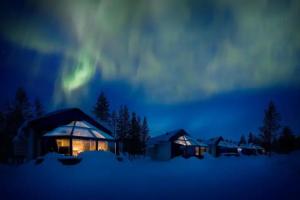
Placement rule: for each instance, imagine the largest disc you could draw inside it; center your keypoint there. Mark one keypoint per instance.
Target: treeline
(128, 128)
(272, 135)
(13, 115)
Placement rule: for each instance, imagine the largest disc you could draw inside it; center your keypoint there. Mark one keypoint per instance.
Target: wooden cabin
(218, 147)
(173, 144)
(68, 131)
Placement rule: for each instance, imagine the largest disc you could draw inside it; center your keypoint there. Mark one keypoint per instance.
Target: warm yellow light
(102, 146)
(83, 145)
(63, 142)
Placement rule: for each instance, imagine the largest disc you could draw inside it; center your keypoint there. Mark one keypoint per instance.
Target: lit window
(83, 145)
(182, 140)
(102, 146)
(63, 146)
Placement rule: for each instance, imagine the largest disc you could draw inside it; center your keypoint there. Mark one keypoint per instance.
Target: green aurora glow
(174, 50)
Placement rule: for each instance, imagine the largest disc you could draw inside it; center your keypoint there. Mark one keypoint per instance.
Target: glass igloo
(77, 137)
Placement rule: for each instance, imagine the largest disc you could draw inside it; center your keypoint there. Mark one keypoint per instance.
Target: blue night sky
(210, 67)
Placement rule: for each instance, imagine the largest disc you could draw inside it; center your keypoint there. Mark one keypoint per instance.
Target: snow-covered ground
(101, 176)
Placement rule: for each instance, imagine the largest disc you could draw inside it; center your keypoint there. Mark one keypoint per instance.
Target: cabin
(67, 131)
(204, 146)
(260, 150)
(218, 147)
(251, 149)
(173, 144)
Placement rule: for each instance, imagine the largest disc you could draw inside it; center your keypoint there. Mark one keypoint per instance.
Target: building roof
(167, 136)
(221, 142)
(251, 146)
(215, 140)
(175, 136)
(227, 144)
(59, 118)
(79, 129)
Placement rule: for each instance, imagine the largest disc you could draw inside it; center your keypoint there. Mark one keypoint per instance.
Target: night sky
(210, 67)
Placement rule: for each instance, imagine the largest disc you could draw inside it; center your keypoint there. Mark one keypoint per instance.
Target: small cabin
(251, 149)
(218, 147)
(68, 132)
(173, 144)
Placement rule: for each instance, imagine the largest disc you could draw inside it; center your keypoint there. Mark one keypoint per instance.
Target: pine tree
(123, 127)
(22, 105)
(134, 138)
(17, 112)
(119, 128)
(38, 108)
(271, 125)
(251, 138)
(287, 140)
(101, 109)
(242, 140)
(113, 122)
(144, 134)
(126, 121)
(3, 139)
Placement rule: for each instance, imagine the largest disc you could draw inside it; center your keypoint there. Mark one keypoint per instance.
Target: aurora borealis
(165, 58)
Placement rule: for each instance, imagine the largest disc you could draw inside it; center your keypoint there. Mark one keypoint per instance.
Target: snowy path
(100, 176)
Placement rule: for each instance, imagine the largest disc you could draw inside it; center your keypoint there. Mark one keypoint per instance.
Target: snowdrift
(101, 176)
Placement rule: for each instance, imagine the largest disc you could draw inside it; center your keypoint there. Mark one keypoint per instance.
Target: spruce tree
(287, 140)
(3, 139)
(251, 138)
(38, 108)
(144, 135)
(126, 122)
(271, 124)
(101, 109)
(113, 123)
(123, 127)
(242, 140)
(134, 138)
(22, 105)
(19, 111)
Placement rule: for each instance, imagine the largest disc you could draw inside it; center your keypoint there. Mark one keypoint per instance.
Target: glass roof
(186, 141)
(81, 129)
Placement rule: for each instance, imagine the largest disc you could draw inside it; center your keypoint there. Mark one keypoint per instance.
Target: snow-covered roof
(53, 120)
(214, 140)
(202, 143)
(227, 144)
(221, 142)
(251, 146)
(164, 137)
(179, 136)
(81, 129)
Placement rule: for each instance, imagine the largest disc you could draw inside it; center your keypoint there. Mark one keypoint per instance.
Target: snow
(101, 176)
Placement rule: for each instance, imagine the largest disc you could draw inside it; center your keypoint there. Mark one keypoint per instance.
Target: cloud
(174, 50)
